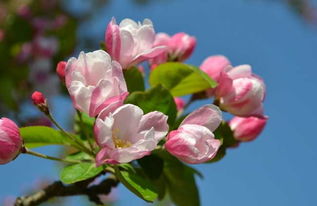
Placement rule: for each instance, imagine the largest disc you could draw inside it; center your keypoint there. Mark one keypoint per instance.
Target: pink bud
(38, 98)
(181, 46)
(60, 70)
(193, 142)
(10, 140)
(180, 103)
(247, 129)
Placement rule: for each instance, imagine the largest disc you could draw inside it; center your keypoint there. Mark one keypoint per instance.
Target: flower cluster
(119, 121)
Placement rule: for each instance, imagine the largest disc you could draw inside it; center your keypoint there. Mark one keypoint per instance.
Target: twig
(58, 189)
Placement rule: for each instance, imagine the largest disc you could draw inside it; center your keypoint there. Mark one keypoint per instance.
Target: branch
(58, 189)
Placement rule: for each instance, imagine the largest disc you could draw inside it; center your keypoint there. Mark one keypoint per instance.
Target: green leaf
(79, 172)
(137, 184)
(134, 79)
(181, 79)
(155, 99)
(152, 166)
(180, 181)
(37, 136)
(78, 156)
(225, 134)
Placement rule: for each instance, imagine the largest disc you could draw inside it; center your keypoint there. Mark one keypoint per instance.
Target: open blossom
(247, 129)
(131, 43)
(179, 47)
(193, 142)
(10, 140)
(95, 82)
(127, 134)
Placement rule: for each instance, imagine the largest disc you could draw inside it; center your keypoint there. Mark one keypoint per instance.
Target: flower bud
(182, 46)
(247, 129)
(39, 100)
(10, 140)
(193, 142)
(60, 70)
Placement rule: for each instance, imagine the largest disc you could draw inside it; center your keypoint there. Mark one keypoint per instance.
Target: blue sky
(280, 167)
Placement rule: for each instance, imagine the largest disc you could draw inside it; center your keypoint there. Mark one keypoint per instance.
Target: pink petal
(155, 120)
(208, 116)
(113, 40)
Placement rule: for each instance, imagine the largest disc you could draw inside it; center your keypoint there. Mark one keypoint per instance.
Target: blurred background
(278, 38)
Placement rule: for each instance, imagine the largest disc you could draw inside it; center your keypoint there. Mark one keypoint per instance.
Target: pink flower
(180, 103)
(247, 129)
(10, 140)
(127, 134)
(247, 94)
(131, 43)
(179, 47)
(240, 91)
(193, 142)
(95, 82)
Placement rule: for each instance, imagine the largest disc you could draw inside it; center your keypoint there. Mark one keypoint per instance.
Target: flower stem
(74, 139)
(30, 152)
(91, 145)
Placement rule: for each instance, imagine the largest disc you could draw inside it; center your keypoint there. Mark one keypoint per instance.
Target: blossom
(247, 94)
(10, 140)
(127, 134)
(95, 82)
(178, 47)
(239, 91)
(131, 43)
(193, 142)
(247, 129)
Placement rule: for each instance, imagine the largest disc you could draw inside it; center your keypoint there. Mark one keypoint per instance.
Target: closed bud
(247, 129)
(10, 140)
(39, 100)
(194, 142)
(60, 70)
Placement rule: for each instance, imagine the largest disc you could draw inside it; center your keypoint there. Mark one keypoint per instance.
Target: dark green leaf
(134, 79)
(79, 172)
(37, 136)
(225, 134)
(181, 79)
(152, 166)
(180, 181)
(137, 184)
(78, 156)
(155, 99)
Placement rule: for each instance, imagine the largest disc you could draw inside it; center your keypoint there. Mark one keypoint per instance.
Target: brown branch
(58, 189)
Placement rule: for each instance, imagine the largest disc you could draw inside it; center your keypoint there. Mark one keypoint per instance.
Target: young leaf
(79, 172)
(37, 136)
(134, 79)
(137, 184)
(155, 99)
(181, 79)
